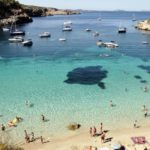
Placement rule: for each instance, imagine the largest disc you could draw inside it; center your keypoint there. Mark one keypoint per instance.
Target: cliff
(143, 25)
(24, 13)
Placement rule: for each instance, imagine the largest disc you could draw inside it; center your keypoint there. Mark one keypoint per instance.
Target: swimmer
(145, 89)
(144, 108)
(111, 104)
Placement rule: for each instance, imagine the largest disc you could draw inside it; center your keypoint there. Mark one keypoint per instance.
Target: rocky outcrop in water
(143, 25)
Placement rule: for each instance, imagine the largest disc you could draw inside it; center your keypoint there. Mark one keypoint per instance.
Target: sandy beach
(79, 140)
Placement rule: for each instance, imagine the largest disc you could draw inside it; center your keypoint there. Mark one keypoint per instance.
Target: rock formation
(143, 25)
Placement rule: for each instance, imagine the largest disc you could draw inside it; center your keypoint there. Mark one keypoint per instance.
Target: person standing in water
(43, 117)
(101, 128)
(91, 132)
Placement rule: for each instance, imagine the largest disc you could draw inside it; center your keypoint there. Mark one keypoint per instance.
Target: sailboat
(14, 31)
(100, 18)
(133, 17)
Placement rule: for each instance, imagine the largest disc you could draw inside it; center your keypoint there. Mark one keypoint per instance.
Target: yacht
(27, 42)
(67, 28)
(122, 30)
(45, 35)
(16, 39)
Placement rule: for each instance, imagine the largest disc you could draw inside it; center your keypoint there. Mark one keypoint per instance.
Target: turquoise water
(38, 73)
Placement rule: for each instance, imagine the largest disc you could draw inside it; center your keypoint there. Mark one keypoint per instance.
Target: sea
(75, 80)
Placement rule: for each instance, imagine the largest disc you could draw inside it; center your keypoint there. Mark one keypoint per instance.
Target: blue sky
(93, 4)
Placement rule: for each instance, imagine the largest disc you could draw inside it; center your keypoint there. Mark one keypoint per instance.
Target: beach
(75, 81)
(83, 139)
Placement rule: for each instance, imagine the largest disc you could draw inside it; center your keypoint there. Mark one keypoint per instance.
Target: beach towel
(139, 140)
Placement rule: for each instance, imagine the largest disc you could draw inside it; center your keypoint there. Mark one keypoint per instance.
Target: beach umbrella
(116, 145)
(104, 148)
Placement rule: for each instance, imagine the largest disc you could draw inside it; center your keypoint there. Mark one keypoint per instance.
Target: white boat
(5, 29)
(68, 22)
(27, 42)
(16, 39)
(95, 34)
(88, 30)
(62, 39)
(145, 42)
(111, 44)
(122, 30)
(67, 28)
(45, 35)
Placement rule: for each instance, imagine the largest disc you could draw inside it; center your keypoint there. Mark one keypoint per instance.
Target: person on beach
(91, 132)
(19, 118)
(103, 137)
(43, 117)
(94, 131)
(101, 128)
(41, 138)
(3, 127)
(27, 138)
(135, 124)
(145, 113)
(32, 137)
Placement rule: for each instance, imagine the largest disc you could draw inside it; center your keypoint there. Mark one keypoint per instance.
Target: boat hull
(17, 33)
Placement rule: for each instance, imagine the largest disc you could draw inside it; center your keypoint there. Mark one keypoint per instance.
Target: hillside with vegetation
(12, 10)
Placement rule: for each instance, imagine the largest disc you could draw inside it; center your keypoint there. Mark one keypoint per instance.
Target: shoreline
(79, 140)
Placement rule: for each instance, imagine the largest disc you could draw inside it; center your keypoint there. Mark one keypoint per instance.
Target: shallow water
(38, 73)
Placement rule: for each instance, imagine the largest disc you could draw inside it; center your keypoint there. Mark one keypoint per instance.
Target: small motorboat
(16, 39)
(5, 29)
(88, 30)
(68, 22)
(107, 44)
(45, 35)
(145, 42)
(122, 30)
(27, 42)
(111, 44)
(67, 28)
(62, 39)
(95, 34)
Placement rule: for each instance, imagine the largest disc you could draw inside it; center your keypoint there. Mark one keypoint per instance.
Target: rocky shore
(143, 25)
(54, 11)
(24, 13)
